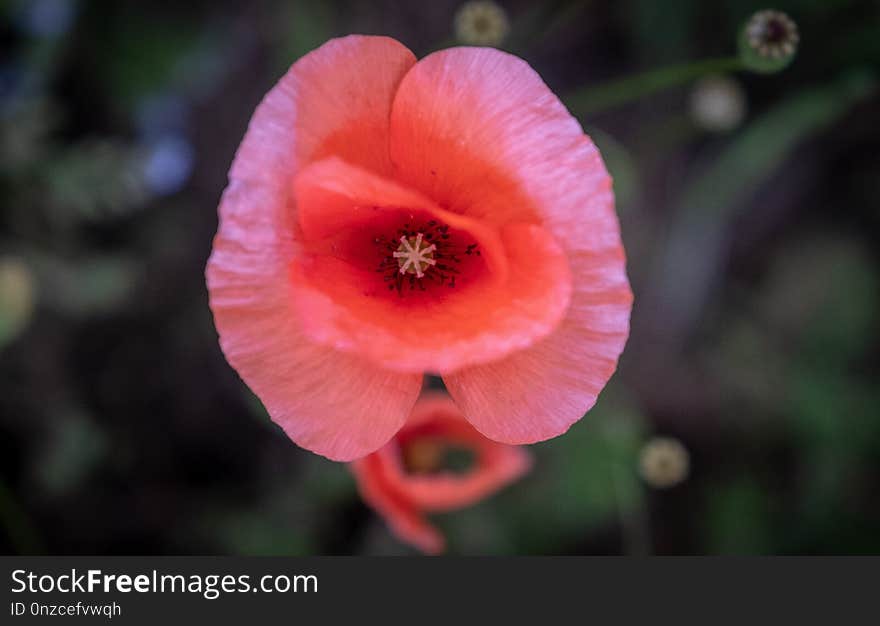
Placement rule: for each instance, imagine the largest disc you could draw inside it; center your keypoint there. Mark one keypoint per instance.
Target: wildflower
(768, 41)
(481, 23)
(664, 462)
(386, 218)
(411, 475)
(718, 104)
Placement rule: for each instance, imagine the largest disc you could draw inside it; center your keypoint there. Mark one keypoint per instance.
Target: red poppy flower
(386, 218)
(406, 478)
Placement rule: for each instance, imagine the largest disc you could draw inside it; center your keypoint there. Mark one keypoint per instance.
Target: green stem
(633, 522)
(617, 92)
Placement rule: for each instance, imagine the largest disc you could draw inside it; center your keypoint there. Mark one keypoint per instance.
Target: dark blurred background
(749, 208)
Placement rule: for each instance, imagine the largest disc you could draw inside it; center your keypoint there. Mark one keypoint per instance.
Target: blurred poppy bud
(481, 23)
(768, 41)
(664, 462)
(717, 104)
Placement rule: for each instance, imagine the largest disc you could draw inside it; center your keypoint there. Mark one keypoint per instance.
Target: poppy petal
(332, 403)
(407, 522)
(538, 393)
(336, 100)
(478, 131)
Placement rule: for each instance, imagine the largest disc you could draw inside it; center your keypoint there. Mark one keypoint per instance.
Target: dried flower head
(769, 41)
(718, 103)
(664, 462)
(481, 23)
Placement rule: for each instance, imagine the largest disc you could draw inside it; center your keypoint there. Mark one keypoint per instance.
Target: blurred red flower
(407, 478)
(386, 218)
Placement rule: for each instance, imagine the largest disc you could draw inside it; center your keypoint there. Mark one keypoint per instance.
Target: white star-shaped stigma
(414, 258)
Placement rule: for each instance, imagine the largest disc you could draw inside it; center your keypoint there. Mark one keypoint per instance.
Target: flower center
(414, 255)
(422, 254)
(434, 455)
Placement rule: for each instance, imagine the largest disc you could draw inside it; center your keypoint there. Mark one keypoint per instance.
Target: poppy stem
(633, 519)
(589, 100)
